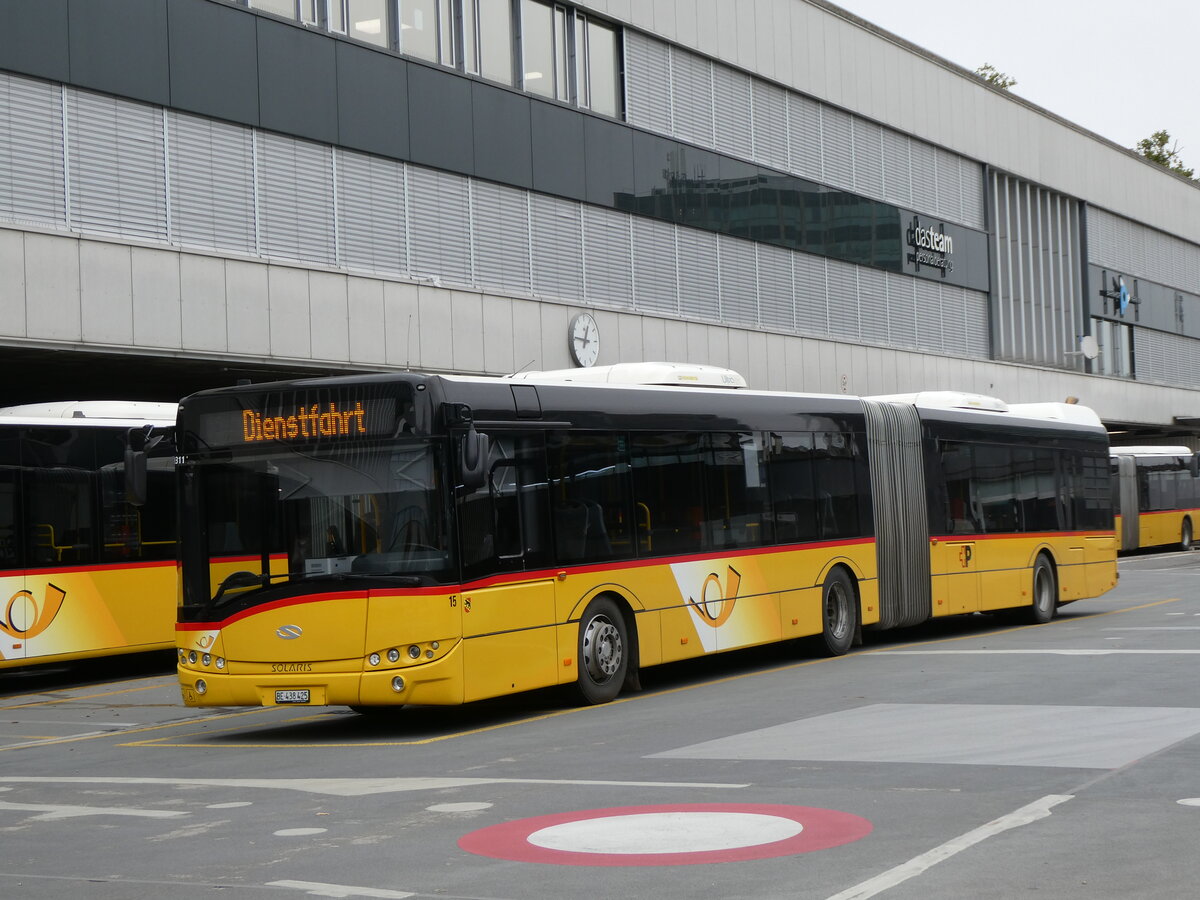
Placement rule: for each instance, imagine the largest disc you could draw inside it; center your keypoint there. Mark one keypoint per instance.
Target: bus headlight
(206, 659)
(414, 652)
(393, 655)
(398, 684)
(192, 657)
(373, 659)
(220, 662)
(201, 686)
(182, 655)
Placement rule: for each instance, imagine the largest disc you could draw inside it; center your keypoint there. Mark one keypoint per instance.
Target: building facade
(267, 187)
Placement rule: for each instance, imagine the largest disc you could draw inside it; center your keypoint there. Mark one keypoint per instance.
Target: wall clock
(584, 340)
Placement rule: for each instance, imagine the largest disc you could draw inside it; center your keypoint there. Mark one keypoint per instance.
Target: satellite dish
(1088, 346)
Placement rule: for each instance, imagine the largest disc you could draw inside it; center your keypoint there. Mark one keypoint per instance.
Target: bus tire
(1185, 535)
(1045, 592)
(603, 651)
(839, 619)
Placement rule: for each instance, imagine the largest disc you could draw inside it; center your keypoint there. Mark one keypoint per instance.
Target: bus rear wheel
(1045, 592)
(603, 651)
(1185, 535)
(837, 614)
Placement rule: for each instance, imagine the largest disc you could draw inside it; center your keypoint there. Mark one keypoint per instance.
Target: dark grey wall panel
(214, 60)
(297, 81)
(501, 122)
(608, 158)
(120, 47)
(439, 120)
(33, 38)
(372, 101)
(558, 151)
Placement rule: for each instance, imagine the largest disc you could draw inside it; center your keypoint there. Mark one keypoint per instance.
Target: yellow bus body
(1161, 529)
(503, 635)
(56, 615)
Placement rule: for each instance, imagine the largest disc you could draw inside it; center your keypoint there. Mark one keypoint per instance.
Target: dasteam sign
(942, 251)
(928, 247)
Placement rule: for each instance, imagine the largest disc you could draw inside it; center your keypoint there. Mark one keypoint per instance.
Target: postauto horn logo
(25, 617)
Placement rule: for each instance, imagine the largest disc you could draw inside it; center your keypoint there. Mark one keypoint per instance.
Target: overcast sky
(1121, 68)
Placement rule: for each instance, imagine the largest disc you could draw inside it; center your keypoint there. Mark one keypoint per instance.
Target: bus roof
(643, 373)
(1163, 450)
(96, 412)
(1071, 413)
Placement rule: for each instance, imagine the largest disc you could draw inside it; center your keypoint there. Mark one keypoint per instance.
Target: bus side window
(668, 488)
(793, 497)
(960, 510)
(589, 489)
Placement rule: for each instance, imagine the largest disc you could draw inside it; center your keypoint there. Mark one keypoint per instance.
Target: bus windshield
(305, 512)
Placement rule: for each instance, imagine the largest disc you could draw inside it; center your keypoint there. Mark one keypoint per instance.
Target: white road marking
(666, 832)
(233, 804)
(1032, 812)
(458, 807)
(58, 811)
(356, 787)
(1189, 801)
(1099, 651)
(1155, 628)
(317, 889)
(299, 832)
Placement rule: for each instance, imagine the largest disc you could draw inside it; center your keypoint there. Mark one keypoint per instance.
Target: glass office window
(448, 26)
(286, 8)
(335, 15)
(603, 70)
(468, 24)
(495, 40)
(418, 28)
(368, 21)
(537, 48)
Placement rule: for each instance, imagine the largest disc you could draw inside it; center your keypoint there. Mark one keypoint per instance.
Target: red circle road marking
(819, 829)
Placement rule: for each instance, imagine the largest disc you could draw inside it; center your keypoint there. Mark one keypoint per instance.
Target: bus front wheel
(1045, 592)
(603, 651)
(837, 613)
(1185, 535)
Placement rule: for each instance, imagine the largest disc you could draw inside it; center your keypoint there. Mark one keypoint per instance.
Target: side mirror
(472, 462)
(135, 467)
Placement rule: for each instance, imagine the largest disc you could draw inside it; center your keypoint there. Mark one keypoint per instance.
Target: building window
(567, 56)
(495, 47)
(419, 29)
(537, 48)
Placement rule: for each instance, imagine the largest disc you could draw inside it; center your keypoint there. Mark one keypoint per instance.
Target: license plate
(291, 696)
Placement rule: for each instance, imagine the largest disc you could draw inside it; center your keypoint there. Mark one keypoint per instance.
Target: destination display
(301, 417)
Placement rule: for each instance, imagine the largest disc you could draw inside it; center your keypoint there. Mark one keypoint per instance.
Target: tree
(1158, 148)
(995, 77)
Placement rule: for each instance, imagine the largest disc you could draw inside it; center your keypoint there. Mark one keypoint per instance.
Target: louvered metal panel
(731, 95)
(692, 97)
(897, 171)
(1131, 248)
(295, 199)
(647, 83)
(954, 320)
(439, 232)
(868, 157)
(971, 183)
(929, 315)
(739, 293)
(557, 248)
(607, 257)
(699, 285)
(844, 315)
(776, 301)
(804, 136)
(655, 269)
(501, 237)
(770, 125)
(949, 185)
(370, 206)
(872, 300)
(32, 186)
(837, 160)
(924, 177)
(118, 177)
(212, 184)
(1167, 358)
(901, 305)
(975, 323)
(811, 287)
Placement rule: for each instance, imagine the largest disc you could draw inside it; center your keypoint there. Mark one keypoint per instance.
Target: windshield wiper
(242, 581)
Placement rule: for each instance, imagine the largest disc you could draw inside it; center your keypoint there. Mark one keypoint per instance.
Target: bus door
(509, 642)
(1127, 497)
(955, 557)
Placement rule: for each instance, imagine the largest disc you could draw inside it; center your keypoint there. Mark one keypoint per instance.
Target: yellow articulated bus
(395, 539)
(87, 547)
(1156, 496)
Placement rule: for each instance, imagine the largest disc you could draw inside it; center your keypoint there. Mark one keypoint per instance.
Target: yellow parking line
(134, 690)
(148, 728)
